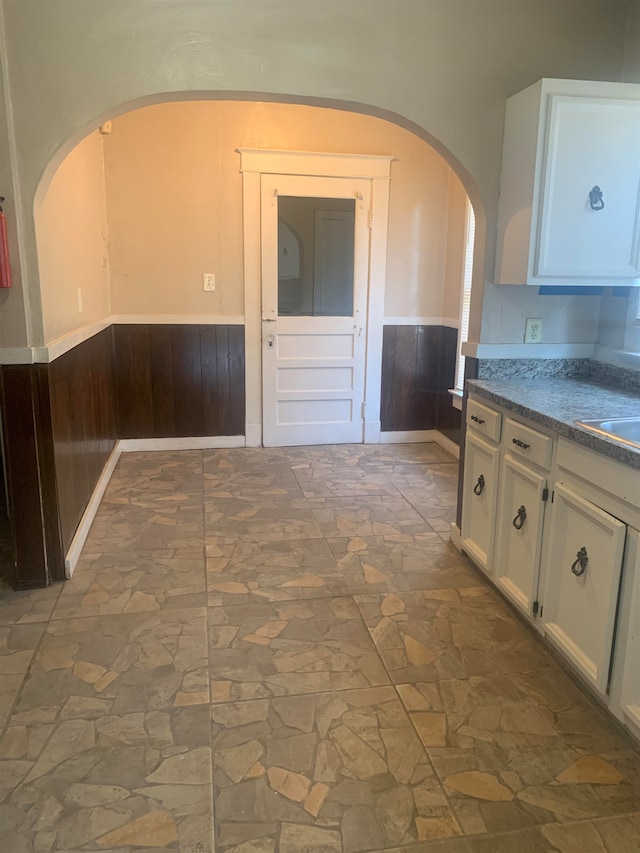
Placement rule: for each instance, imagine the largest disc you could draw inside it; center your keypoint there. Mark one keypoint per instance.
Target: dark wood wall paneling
(179, 381)
(59, 429)
(83, 424)
(418, 368)
(61, 421)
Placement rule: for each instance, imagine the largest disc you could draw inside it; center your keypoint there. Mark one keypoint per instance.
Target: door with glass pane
(315, 258)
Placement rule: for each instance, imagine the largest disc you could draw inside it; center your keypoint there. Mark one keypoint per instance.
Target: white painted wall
(174, 200)
(444, 69)
(71, 229)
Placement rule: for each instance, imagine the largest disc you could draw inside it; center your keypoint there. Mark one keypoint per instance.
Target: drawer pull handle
(477, 419)
(579, 566)
(521, 517)
(479, 486)
(519, 443)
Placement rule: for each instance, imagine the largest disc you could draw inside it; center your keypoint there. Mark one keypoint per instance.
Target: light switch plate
(533, 331)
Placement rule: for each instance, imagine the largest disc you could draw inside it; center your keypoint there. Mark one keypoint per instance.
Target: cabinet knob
(596, 202)
(579, 566)
(521, 517)
(479, 486)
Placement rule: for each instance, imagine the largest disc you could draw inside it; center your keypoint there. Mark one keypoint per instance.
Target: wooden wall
(83, 424)
(179, 381)
(61, 421)
(418, 368)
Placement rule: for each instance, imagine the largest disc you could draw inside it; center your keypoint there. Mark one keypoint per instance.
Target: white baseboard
(446, 444)
(408, 436)
(454, 536)
(206, 442)
(253, 434)
(77, 543)
(372, 432)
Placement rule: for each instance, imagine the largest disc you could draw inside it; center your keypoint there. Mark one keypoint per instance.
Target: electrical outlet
(208, 282)
(533, 331)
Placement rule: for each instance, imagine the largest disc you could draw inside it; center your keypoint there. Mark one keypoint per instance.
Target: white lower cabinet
(481, 468)
(584, 562)
(628, 650)
(519, 532)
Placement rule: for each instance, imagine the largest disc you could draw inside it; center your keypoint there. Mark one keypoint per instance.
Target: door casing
(254, 163)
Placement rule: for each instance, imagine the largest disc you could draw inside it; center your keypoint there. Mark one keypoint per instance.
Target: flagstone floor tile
(290, 647)
(125, 783)
(133, 582)
(365, 689)
(339, 771)
(26, 606)
(93, 666)
(272, 571)
(237, 520)
(401, 562)
(448, 633)
(17, 647)
(370, 516)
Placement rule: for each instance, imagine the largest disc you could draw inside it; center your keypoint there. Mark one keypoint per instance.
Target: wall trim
(48, 353)
(450, 322)
(408, 436)
(177, 319)
(16, 355)
(205, 442)
(416, 436)
(447, 445)
(327, 164)
(480, 350)
(82, 531)
(255, 163)
(454, 536)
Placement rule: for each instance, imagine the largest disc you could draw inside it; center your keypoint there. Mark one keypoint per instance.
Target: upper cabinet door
(569, 209)
(593, 148)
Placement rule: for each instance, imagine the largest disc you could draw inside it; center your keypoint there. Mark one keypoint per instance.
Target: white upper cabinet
(569, 209)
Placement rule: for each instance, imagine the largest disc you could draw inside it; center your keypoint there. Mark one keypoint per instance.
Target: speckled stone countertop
(558, 403)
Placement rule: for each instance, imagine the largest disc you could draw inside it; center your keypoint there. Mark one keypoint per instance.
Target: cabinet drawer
(528, 443)
(484, 420)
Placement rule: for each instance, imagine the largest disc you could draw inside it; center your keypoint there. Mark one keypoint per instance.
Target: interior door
(315, 259)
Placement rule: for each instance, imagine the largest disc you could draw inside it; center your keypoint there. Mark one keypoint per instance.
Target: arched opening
(131, 217)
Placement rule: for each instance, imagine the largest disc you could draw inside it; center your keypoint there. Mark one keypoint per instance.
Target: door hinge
(536, 605)
(363, 410)
(545, 494)
(371, 219)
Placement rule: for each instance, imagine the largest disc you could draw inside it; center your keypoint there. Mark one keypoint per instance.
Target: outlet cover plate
(533, 331)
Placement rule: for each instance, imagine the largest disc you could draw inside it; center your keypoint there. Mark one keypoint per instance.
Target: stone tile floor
(280, 650)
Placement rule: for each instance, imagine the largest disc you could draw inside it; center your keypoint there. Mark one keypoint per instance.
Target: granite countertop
(558, 403)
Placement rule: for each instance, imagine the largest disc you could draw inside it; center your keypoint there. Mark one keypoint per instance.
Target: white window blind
(465, 300)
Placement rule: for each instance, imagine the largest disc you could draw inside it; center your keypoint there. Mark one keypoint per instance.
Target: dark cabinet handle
(479, 486)
(579, 566)
(596, 202)
(520, 518)
(477, 419)
(519, 443)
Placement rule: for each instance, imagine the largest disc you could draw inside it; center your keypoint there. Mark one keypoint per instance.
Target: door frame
(377, 168)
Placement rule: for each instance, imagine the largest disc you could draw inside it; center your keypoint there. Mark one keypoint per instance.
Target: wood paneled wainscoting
(418, 368)
(179, 381)
(62, 421)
